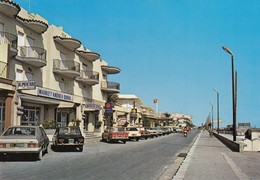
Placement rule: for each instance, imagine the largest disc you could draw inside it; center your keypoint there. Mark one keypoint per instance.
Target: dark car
(68, 137)
(24, 140)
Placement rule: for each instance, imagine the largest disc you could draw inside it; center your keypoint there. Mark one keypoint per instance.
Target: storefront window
(31, 116)
(61, 119)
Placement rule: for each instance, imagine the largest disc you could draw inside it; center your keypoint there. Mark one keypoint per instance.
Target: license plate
(17, 145)
(71, 141)
(119, 135)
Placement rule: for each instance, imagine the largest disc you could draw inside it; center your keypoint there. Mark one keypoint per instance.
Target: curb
(171, 171)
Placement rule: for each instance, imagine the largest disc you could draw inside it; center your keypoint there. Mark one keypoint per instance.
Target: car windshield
(132, 129)
(27, 131)
(118, 129)
(69, 130)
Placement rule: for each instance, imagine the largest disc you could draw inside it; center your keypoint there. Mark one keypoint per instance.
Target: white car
(24, 140)
(133, 133)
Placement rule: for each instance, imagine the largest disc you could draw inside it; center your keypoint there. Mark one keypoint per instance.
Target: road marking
(235, 168)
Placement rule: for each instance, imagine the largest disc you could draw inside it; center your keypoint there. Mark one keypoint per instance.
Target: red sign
(108, 108)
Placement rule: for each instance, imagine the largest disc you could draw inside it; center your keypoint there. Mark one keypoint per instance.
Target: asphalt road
(146, 159)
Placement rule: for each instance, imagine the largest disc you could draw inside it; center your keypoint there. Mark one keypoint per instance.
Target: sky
(171, 50)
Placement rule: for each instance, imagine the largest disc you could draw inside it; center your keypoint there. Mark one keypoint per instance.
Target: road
(146, 159)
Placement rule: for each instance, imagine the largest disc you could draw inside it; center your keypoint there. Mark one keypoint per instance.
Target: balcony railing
(8, 38)
(33, 55)
(110, 86)
(68, 68)
(3, 69)
(89, 77)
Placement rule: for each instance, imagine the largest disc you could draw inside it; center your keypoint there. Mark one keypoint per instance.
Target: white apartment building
(124, 112)
(48, 76)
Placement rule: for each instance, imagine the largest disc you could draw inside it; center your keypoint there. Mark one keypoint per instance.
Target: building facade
(48, 77)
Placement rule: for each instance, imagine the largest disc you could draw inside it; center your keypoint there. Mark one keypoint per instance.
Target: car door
(45, 138)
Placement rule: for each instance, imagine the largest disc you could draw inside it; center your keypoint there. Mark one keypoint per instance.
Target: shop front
(45, 107)
(93, 117)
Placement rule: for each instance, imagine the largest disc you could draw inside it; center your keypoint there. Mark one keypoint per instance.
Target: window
(84, 67)
(31, 116)
(63, 86)
(28, 76)
(30, 41)
(61, 119)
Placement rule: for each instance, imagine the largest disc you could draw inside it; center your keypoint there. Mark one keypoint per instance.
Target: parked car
(159, 131)
(133, 133)
(144, 132)
(115, 134)
(178, 130)
(166, 131)
(24, 140)
(68, 137)
(154, 133)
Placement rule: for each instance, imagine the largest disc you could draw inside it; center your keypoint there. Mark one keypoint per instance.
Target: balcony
(35, 25)
(110, 69)
(9, 8)
(110, 87)
(69, 43)
(11, 39)
(68, 68)
(34, 56)
(91, 56)
(88, 77)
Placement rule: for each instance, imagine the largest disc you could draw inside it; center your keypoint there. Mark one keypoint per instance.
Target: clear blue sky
(171, 49)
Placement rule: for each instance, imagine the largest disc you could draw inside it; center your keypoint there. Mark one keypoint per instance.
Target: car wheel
(39, 155)
(137, 139)
(124, 141)
(80, 148)
(46, 150)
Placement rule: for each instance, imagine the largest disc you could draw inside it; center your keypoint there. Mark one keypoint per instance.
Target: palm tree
(113, 98)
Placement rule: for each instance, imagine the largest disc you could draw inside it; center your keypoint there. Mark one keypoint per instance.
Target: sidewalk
(210, 159)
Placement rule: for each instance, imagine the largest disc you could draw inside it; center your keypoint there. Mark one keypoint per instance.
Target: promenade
(211, 159)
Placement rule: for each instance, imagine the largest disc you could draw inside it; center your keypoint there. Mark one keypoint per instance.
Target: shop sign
(92, 106)
(108, 108)
(121, 121)
(26, 85)
(53, 94)
(244, 124)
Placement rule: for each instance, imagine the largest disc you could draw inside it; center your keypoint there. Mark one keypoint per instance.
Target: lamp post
(233, 93)
(212, 123)
(217, 108)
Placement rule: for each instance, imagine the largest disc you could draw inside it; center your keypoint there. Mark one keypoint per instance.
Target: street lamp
(233, 92)
(217, 107)
(212, 123)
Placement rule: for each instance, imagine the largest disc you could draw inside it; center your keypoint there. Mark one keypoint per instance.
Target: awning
(37, 99)
(66, 105)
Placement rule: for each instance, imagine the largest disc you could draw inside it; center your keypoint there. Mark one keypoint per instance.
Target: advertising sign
(108, 108)
(26, 85)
